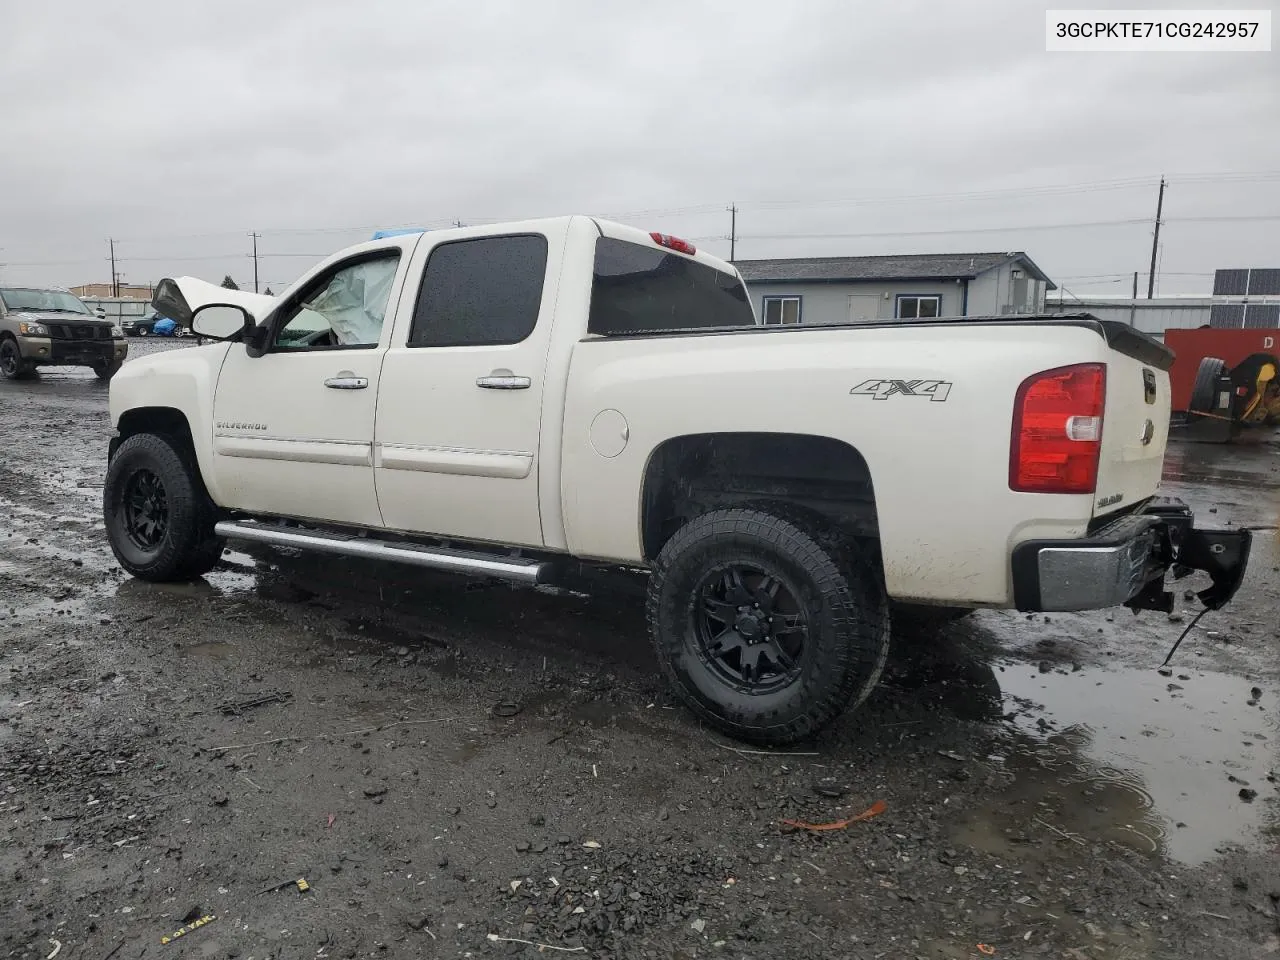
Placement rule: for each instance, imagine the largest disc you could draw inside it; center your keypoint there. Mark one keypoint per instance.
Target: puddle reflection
(1160, 761)
(1152, 763)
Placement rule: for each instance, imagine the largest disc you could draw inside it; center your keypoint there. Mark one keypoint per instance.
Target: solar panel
(1262, 316)
(1230, 283)
(1264, 283)
(1226, 316)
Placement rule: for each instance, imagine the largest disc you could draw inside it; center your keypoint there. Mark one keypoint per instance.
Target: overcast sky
(177, 128)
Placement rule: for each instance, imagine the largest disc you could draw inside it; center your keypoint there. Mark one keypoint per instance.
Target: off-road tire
(1204, 393)
(12, 366)
(839, 589)
(105, 371)
(188, 547)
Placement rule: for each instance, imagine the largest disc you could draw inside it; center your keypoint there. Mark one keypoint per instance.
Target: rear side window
(478, 292)
(639, 289)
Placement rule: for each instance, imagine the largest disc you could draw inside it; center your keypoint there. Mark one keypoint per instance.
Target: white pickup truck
(522, 399)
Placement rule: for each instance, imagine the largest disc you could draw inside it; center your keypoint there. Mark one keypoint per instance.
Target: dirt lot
(448, 762)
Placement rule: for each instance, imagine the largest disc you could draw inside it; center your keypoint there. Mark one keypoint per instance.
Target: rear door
(1135, 430)
(460, 403)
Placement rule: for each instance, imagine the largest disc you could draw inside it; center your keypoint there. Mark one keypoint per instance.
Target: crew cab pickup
(525, 399)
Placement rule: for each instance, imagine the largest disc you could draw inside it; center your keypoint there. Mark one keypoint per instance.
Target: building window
(914, 308)
(779, 310)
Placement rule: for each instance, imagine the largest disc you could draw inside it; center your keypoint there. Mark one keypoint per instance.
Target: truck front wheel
(766, 631)
(158, 516)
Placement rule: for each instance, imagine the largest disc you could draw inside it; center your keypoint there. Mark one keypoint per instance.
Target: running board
(348, 545)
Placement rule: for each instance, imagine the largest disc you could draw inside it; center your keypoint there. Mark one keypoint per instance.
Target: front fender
(182, 381)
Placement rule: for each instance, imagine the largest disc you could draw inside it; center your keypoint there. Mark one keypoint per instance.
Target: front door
(460, 403)
(293, 428)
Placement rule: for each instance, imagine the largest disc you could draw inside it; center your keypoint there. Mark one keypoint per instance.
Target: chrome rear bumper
(1125, 563)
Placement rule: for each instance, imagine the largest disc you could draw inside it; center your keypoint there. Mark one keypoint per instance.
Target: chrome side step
(346, 545)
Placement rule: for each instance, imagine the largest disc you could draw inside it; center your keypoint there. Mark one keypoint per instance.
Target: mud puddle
(1152, 763)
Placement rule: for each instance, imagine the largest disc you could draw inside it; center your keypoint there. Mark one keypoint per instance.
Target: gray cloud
(178, 128)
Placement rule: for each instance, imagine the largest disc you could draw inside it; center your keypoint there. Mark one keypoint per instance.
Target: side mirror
(222, 321)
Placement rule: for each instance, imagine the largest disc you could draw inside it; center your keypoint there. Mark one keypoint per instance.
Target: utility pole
(115, 283)
(1133, 305)
(733, 231)
(1155, 243)
(255, 261)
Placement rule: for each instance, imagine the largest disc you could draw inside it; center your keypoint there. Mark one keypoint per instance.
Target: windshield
(55, 301)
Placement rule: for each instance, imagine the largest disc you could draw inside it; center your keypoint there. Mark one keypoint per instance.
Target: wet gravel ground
(456, 767)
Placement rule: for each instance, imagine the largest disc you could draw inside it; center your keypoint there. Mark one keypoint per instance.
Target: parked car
(153, 325)
(563, 395)
(50, 327)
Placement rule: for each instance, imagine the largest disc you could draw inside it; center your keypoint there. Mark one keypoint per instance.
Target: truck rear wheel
(158, 516)
(765, 630)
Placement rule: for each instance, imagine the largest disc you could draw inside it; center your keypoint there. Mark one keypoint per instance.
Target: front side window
(344, 308)
(52, 301)
(781, 310)
(642, 289)
(915, 308)
(482, 292)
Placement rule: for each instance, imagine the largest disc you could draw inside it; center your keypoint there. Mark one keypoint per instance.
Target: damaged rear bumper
(1126, 562)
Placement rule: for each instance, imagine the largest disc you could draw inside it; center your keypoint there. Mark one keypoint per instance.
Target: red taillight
(673, 243)
(1057, 430)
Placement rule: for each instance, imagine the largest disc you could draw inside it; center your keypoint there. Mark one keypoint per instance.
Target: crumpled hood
(179, 297)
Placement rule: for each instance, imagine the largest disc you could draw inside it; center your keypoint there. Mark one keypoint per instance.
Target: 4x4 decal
(935, 390)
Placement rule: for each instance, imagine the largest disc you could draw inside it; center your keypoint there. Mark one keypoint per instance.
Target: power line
(922, 233)
(1044, 190)
(1124, 183)
(1256, 217)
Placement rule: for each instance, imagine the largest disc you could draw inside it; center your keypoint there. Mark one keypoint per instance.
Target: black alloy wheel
(751, 628)
(146, 510)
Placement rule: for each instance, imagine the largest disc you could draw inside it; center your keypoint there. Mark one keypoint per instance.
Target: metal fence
(118, 308)
(1175, 313)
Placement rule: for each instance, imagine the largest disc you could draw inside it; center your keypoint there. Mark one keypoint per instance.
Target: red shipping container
(1230, 346)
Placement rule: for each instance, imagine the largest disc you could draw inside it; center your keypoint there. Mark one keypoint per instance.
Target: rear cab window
(638, 289)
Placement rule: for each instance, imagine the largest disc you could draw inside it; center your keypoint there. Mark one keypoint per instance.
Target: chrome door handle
(504, 382)
(345, 381)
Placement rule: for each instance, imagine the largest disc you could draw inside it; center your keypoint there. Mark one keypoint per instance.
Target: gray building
(842, 289)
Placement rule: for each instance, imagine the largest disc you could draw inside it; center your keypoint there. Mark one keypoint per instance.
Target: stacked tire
(1204, 394)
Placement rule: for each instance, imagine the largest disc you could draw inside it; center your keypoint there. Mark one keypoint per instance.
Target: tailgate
(1135, 429)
